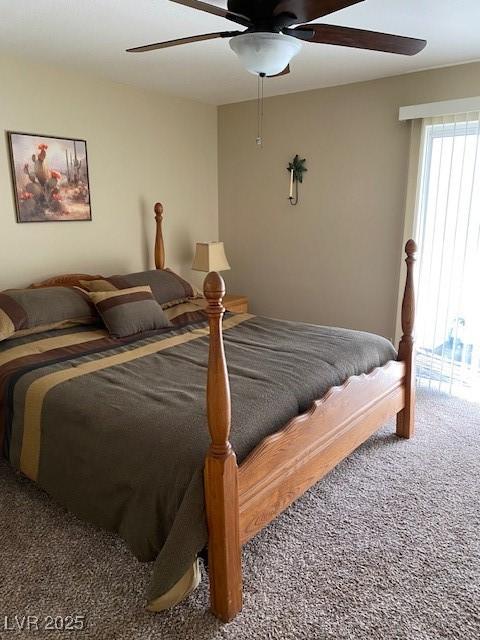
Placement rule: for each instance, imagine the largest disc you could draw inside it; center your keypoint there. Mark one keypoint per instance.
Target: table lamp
(210, 256)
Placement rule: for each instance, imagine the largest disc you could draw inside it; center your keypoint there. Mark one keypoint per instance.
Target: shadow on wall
(187, 248)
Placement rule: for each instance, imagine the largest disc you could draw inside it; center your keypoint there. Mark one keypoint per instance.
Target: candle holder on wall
(296, 168)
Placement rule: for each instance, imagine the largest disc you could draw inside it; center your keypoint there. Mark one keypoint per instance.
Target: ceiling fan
(274, 29)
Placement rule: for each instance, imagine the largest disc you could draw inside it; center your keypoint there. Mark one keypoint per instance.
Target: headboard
(73, 279)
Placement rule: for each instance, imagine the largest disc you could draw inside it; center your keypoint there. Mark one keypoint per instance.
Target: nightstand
(236, 304)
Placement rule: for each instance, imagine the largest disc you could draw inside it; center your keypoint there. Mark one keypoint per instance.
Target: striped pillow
(127, 312)
(192, 312)
(25, 311)
(167, 287)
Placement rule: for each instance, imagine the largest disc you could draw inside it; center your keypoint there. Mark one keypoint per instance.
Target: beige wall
(334, 259)
(142, 147)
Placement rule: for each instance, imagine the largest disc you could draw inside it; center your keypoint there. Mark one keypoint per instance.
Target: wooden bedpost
(159, 247)
(406, 352)
(221, 472)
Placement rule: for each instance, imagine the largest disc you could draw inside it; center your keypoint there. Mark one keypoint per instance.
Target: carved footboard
(292, 460)
(240, 501)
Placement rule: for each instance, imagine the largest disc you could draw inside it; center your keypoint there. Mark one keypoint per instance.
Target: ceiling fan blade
(174, 43)
(358, 38)
(282, 73)
(248, 8)
(307, 10)
(217, 11)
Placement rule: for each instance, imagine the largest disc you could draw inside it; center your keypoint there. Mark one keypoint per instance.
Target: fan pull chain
(259, 140)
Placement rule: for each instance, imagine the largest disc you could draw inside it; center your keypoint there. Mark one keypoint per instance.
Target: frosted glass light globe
(265, 53)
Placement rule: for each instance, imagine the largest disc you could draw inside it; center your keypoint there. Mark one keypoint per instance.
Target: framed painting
(50, 178)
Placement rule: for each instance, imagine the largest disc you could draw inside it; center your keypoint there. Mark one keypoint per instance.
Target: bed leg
(406, 350)
(406, 417)
(221, 472)
(224, 554)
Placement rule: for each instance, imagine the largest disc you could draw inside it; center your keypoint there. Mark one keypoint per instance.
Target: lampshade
(210, 256)
(265, 53)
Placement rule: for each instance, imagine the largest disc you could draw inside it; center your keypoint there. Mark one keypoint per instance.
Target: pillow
(127, 312)
(191, 312)
(98, 285)
(24, 311)
(167, 287)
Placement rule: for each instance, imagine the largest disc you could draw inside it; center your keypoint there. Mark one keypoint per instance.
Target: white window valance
(444, 108)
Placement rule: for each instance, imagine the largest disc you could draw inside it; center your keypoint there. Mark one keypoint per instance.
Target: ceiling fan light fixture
(265, 53)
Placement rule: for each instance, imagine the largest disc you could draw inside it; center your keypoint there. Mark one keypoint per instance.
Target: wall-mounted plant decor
(296, 168)
(50, 178)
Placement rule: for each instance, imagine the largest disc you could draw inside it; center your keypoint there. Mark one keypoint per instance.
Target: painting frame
(81, 181)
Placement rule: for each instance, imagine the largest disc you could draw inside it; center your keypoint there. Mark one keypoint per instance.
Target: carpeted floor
(386, 547)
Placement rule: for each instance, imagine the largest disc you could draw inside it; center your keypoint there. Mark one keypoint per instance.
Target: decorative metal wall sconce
(296, 168)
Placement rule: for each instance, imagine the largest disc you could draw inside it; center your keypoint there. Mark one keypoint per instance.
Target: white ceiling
(92, 35)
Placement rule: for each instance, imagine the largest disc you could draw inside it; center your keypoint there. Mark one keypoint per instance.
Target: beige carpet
(386, 547)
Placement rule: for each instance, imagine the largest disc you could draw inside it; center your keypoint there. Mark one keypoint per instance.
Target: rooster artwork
(50, 178)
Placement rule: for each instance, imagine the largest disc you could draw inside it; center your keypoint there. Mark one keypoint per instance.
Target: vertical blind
(448, 230)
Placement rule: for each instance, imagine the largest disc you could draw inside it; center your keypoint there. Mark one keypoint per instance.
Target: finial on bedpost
(408, 305)
(221, 472)
(406, 352)
(159, 247)
(218, 388)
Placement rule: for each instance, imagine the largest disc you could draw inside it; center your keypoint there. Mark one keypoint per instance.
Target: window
(448, 231)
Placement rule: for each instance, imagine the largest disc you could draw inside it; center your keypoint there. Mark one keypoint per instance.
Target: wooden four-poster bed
(241, 499)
